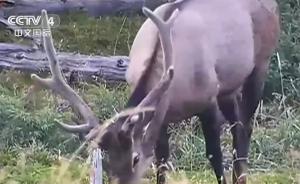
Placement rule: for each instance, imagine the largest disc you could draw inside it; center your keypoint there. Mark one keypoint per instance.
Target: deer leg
(252, 92)
(239, 110)
(211, 122)
(251, 95)
(162, 154)
(229, 108)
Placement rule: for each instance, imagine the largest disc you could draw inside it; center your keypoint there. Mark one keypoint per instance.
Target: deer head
(115, 136)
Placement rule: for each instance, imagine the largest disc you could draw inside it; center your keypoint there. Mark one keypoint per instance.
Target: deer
(187, 59)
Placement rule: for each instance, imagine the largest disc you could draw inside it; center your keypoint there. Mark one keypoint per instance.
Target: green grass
(32, 130)
(101, 36)
(63, 171)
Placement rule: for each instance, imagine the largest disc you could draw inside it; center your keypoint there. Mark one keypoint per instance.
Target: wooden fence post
(96, 176)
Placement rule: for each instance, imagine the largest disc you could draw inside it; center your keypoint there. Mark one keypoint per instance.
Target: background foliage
(284, 76)
(31, 144)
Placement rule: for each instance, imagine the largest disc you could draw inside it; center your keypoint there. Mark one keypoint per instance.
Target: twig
(118, 36)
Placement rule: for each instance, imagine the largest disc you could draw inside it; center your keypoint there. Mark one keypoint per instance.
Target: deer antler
(164, 29)
(154, 96)
(58, 84)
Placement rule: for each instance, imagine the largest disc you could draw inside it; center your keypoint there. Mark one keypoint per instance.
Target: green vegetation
(287, 70)
(33, 150)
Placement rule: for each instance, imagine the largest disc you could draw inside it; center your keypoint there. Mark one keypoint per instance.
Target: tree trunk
(76, 67)
(93, 7)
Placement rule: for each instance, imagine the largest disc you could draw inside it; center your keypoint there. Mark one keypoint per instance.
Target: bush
(285, 72)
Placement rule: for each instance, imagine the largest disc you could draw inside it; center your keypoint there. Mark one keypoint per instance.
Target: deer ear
(135, 122)
(129, 125)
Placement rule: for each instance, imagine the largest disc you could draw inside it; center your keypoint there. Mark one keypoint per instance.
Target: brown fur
(217, 56)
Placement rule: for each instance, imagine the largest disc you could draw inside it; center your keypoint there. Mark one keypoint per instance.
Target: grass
(34, 166)
(101, 36)
(32, 134)
(63, 171)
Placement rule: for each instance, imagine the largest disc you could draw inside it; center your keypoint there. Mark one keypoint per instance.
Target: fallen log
(92, 7)
(77, 67)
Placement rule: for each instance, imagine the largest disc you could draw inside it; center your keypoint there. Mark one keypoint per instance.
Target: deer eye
(136, 158)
